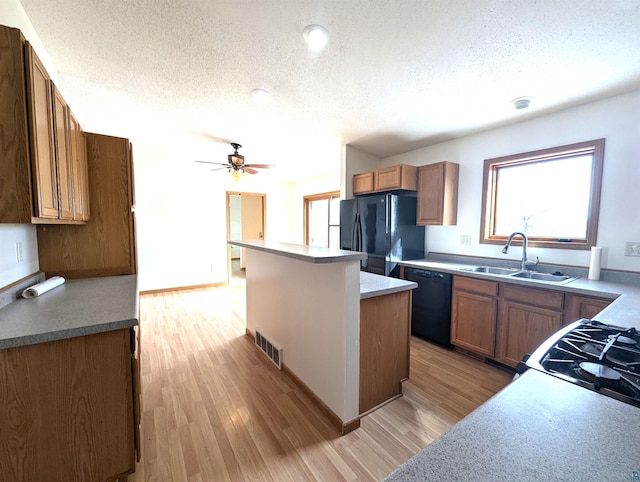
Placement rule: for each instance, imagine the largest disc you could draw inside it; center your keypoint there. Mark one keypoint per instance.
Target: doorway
(246, 215)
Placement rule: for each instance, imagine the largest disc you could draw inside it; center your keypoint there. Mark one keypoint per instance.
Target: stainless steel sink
(534, 275)
(491, 270)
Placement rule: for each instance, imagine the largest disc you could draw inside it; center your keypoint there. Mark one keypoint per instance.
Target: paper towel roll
(40, 288)
(594, 264)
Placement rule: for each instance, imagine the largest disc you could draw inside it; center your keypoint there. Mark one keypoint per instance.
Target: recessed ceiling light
(521, 102)
(260, 96)
(316, 37)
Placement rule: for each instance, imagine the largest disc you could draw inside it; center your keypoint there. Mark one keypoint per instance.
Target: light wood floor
(215, 409)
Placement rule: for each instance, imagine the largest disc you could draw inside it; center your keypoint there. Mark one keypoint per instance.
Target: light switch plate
(465, 240)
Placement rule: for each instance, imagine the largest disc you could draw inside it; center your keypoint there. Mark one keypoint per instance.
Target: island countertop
(310, 254)
(77, 308)
(537, 428)
(372, 285)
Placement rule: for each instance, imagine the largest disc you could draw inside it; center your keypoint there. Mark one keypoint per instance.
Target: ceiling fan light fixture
(316, 37)
(236, 175)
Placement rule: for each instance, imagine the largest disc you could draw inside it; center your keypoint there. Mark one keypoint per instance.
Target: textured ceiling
(396, 75)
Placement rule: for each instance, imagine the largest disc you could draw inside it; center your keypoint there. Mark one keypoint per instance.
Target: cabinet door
(584, 307)
(71, 414)
(78, 154)
(363, 183)
(473, 322)
(522, 328)
(384, 347)
(64, 158)
(43, 159)
(437, 194)
(395, 177)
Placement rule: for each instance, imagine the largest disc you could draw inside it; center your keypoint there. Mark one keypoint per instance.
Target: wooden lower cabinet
(384, 347)
(473, 315)
(68, 409)
(579, 306)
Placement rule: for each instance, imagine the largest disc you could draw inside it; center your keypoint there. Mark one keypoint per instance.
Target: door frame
(264, 221)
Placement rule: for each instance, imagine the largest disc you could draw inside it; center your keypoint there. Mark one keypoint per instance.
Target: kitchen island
(316, 305)
(69, 372)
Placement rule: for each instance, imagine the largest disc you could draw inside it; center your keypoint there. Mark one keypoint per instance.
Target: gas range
(600, 357)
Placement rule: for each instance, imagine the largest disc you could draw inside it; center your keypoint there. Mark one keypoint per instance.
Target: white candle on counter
(594, 264)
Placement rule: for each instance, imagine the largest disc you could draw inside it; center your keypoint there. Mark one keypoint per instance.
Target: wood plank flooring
(216, 409)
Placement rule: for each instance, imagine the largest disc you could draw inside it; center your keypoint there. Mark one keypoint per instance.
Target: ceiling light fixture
(260, 96)
(521, 102)
(316, 37)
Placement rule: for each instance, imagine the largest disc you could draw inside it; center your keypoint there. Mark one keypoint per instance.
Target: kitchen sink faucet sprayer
(525, 263)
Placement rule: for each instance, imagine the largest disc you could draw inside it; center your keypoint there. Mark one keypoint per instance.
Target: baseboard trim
(183, 288)
(342, 427)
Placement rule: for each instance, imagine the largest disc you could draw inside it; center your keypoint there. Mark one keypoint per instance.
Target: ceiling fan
(235, 163)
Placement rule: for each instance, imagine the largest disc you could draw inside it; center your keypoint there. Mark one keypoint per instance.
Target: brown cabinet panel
(106, 244)
(521, 328)
(68, 409)
(78, 153)
(532, 296)
(391, 178)
(363, 183)
(384, 347)
(43, 159)
(15, 169)
(437, 194)
(473, 320)
(489, 288)
(579, 306)
(63, 155)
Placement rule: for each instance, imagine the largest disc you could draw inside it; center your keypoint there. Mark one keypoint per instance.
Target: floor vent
(274, 352)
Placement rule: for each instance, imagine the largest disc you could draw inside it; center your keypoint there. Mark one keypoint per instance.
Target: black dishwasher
(431, 309)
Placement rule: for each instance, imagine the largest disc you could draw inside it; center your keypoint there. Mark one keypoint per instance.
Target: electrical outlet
(19, 252)
(632, 248)
(465, 240)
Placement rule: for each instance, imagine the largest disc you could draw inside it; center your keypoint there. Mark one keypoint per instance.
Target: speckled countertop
(309, 254)
(372, 285)
(540, 427)
(77, 308)
(537, 428)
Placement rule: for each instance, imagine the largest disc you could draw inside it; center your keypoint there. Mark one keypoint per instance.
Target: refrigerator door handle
(357, 230)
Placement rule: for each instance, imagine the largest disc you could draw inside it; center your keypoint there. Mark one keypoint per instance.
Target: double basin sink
(523, 274)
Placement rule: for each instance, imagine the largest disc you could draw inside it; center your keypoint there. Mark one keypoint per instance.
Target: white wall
(181, 211)
(13, 15)
(617, 119)
(309, 187)
(312, 311)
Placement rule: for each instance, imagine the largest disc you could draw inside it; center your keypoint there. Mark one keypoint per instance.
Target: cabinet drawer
(532, 296)
(489, 288)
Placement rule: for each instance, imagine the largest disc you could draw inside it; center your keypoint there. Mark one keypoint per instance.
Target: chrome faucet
(525, 263)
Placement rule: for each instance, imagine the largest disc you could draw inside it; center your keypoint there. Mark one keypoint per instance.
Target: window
(552, 195)
(322, 220)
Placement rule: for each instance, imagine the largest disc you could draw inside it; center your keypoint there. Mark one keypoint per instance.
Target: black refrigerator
(384, 227)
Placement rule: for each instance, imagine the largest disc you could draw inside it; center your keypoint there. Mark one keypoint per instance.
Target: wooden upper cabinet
(78, 153)
(363, 183)
(43, 159)
(63, 155)
(438, 194)
(391, 178)
(106, 244)
(15, 169)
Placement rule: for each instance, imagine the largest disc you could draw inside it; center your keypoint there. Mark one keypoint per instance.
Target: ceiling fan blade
(209, 162)
(261, 166)
(218, 169)
(249, 170)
